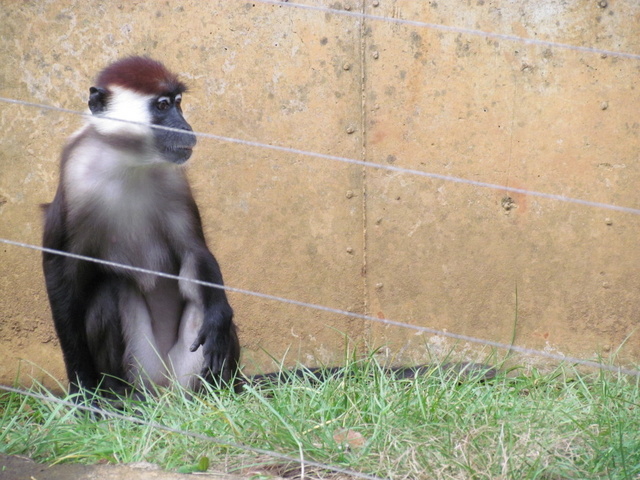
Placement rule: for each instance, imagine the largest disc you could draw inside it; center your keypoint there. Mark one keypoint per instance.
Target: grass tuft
(563, 424)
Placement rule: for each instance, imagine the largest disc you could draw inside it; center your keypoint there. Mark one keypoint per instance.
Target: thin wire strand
(337, 311)
(446, 28)
(198, 436)
(352, 161)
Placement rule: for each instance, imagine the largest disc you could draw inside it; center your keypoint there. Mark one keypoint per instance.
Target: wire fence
(324, 308)
(272, 298)
(352, 161)
(452, 29)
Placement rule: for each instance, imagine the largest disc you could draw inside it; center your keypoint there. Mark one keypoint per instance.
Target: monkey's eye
(163, 103)
(178, 100)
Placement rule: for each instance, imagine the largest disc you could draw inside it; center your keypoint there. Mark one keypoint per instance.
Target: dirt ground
(13, 467)
(21, 468)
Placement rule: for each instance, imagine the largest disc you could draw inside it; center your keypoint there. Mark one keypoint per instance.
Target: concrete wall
(427, 252)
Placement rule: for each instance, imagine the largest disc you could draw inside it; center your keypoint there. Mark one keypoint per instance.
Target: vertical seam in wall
(366, 330)
(513, 121)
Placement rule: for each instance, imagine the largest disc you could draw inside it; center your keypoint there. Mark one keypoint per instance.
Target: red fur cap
(140, 74)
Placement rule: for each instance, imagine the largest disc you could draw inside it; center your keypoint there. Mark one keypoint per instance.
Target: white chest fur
(126, 207)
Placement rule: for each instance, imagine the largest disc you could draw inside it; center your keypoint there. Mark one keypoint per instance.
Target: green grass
(558, 425)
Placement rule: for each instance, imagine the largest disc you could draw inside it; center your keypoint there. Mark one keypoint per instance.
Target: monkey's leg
(143, 361)
(105, 337)
(187, 365)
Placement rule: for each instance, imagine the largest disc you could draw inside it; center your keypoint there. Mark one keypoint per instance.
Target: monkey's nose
(187, 139)
(190, 140)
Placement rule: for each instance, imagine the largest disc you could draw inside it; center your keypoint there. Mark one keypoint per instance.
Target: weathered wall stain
(428, 252)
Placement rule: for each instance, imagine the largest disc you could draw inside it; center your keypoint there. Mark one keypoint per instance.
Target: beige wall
(428, 252)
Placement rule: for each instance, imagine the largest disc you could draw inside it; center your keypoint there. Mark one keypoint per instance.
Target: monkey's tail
(460, 370)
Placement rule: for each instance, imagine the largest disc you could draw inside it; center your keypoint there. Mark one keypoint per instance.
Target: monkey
(123, 197)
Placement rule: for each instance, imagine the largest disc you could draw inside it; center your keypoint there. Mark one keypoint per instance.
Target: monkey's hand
(215, 337)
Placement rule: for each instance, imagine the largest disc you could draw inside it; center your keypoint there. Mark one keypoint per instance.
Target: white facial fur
(127, 105)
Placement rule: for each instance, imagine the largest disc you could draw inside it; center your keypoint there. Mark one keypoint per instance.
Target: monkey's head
(142, 90)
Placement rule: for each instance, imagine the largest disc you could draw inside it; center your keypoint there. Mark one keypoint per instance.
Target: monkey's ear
(97, 100)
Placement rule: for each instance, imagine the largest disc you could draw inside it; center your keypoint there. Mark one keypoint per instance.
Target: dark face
(176, 147)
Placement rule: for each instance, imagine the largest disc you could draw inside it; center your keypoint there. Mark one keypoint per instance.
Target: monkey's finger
(196, 344)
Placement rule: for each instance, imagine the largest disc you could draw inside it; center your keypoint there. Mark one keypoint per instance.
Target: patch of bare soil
(14, 467)
(21, 468)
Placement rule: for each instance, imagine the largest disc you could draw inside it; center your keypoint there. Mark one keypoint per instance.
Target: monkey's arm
(217, 335)
(68, 299)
